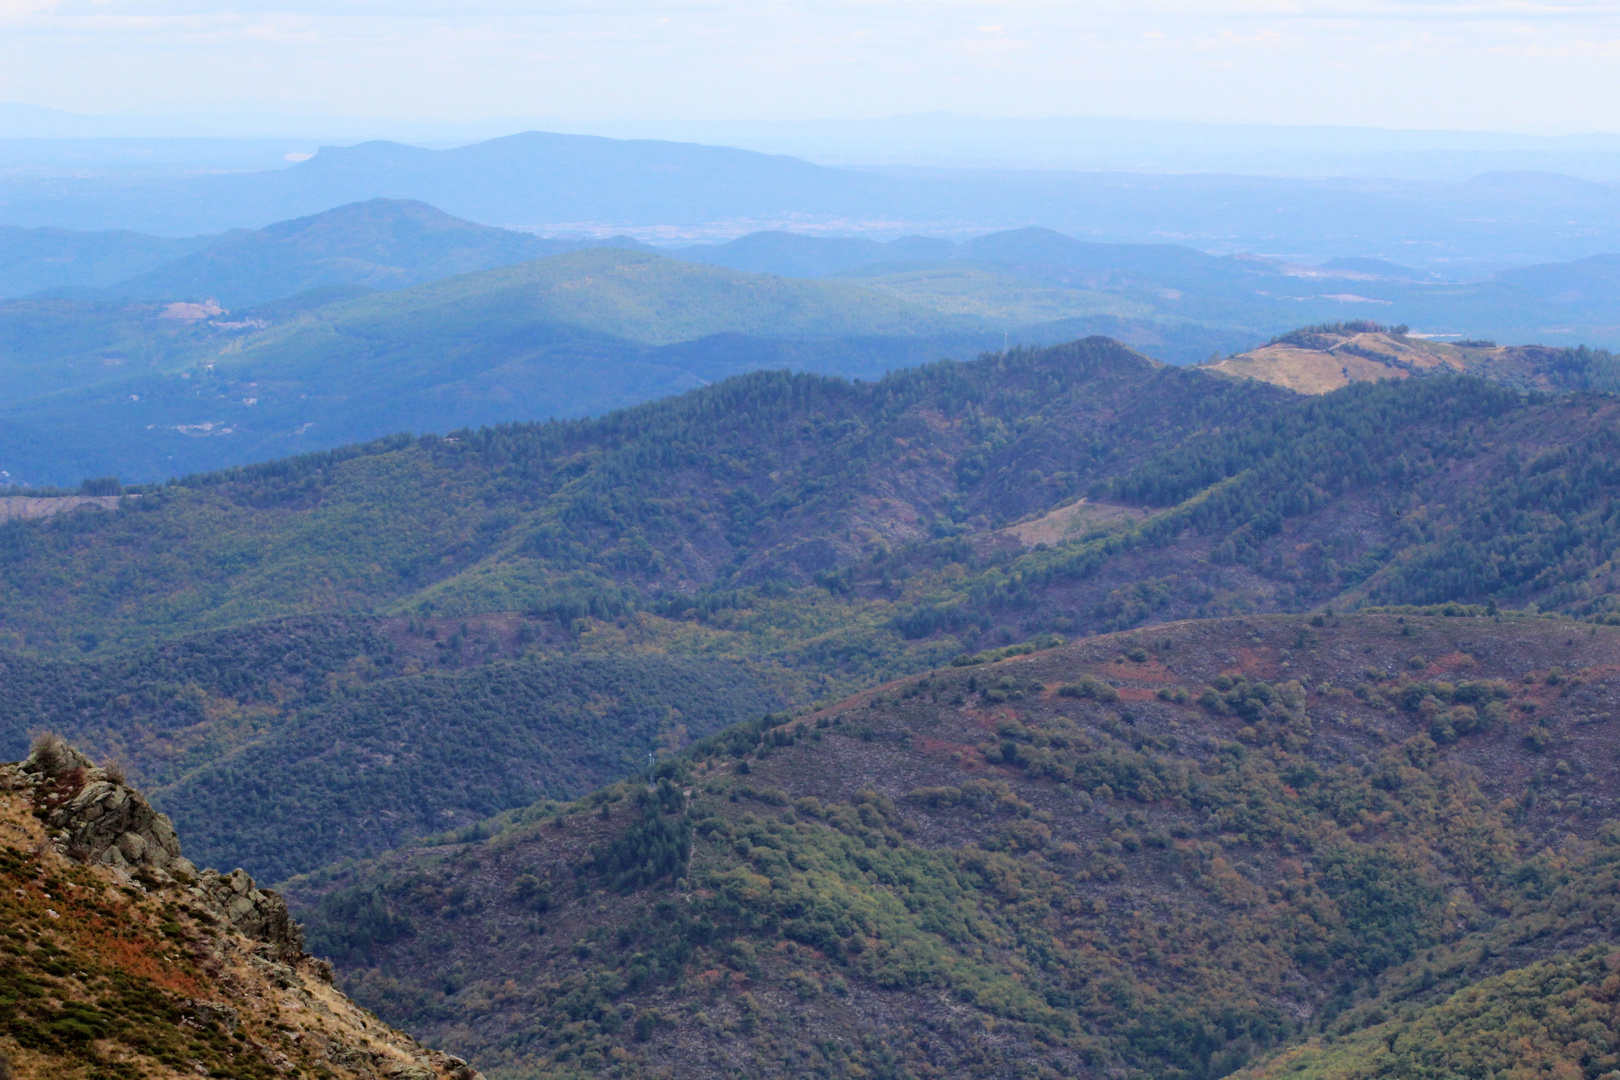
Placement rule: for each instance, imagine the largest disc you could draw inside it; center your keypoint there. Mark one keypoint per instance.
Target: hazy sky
(1515, 65)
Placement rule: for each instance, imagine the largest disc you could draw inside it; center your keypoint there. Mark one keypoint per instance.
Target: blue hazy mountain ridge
(531, 179)
(116, 388)
(32, 260)
(1557, 303)
(589, 184)
(379, 243)
(576, 334)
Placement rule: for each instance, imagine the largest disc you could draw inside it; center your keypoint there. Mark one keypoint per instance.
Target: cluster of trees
(1159, 884)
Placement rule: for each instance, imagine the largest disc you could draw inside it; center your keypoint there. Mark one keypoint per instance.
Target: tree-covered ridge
(1256, 501)
(1162, 854)
(788, 473)
(825, 535)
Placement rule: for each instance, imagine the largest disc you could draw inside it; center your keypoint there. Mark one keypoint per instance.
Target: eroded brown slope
(1156, 854)
(119, 960)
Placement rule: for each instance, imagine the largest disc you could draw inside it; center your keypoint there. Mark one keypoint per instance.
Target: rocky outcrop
(259, 914)
(95, 818)
(81, 844)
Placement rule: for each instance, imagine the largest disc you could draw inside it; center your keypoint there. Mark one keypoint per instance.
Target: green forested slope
(283, 745)
(767, 477)
(827, 535)
(1162, 854)
(152, 390)
(1553, 1018)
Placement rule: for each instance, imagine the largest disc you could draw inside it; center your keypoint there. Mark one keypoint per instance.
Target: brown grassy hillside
(1319, 360)
(119, 960)
(1159, 854)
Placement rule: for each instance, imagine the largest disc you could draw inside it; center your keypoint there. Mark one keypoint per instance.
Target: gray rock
(260, 914)
(409, 1072)
(102, 821)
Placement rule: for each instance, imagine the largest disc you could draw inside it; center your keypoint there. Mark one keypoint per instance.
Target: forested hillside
(1158, 854)
(288, 744)
(788, 537)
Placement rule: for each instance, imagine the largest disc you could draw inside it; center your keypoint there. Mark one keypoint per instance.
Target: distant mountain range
(593, 186)
(390, 314)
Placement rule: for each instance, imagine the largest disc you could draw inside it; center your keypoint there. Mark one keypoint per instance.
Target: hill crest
(1322, 359)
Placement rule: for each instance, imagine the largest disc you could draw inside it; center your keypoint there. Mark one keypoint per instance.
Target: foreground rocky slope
(118, 959)
(1164, 854)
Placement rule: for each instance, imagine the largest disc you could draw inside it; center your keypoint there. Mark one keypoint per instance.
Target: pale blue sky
(1486, 65)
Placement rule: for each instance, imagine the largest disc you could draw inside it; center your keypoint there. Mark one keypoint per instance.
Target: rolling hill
(156, 390)
(819, 535)
(1028, 275)
(380, 244)
(1170, 853)
(149, 390)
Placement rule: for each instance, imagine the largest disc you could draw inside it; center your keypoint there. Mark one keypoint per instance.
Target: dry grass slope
(131, 971)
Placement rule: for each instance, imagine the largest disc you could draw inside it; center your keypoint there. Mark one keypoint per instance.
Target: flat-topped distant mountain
(597, 186)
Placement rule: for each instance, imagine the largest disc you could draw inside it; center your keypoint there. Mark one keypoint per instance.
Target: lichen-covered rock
(96, 818)
(259, 914)
(110, 823)
(87, 853)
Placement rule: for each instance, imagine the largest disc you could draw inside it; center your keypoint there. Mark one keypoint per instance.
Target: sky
(1487, 65)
